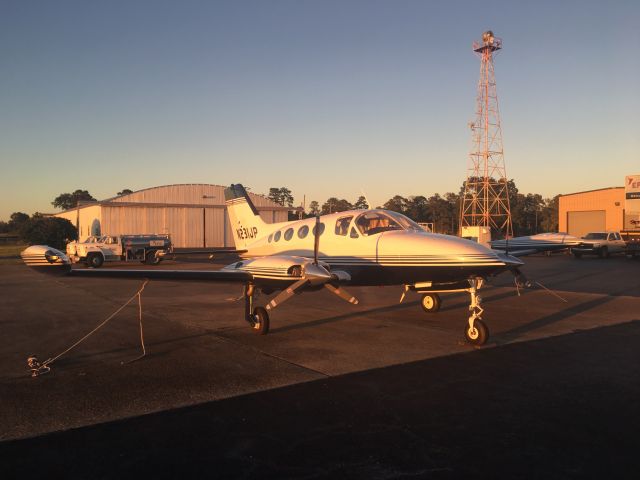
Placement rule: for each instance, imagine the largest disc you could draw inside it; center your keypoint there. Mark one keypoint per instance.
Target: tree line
(530, 213)
(40, 229)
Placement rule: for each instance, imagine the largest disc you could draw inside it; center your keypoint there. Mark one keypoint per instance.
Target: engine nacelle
(45, 259)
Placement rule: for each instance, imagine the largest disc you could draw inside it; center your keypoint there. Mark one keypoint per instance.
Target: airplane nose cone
(432, 248)
(45, 259)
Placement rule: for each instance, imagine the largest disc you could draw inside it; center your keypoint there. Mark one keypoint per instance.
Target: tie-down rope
(39, 369)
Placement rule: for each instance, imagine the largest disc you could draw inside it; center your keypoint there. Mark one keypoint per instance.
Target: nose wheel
(478, 334)
(476, 331)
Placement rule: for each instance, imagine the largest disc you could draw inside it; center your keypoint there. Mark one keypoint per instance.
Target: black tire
(604, 252)
(95, 260)
(151, 259)
(260, 321)
(577, 254)
(430, 302)
(479, 335)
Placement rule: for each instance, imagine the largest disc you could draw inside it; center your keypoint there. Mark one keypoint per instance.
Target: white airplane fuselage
(390, 257)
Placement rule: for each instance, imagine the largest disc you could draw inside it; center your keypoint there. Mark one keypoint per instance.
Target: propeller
(316, 240)
(314, 274)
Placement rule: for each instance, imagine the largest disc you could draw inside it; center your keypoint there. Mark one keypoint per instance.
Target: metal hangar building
(605, 209)
(193, 214)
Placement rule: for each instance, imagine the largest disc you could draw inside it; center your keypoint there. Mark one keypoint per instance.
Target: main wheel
(260, 323)
(577, 254)
(430, 302)
(95, 261)
(604, 252)
(478, 335)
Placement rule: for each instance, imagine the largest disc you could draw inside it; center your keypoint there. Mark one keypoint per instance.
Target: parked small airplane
(358, 247)
(541, 242)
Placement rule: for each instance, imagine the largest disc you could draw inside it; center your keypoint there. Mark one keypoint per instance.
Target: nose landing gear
(476, 332)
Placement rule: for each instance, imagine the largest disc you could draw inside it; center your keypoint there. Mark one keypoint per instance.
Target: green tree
(397, 204)
(16, 220)
(4, 227)
(281, 196)
(52, 231)
(67, 201)
(361, 203)
(548, 217)
(417, 208)
(333, 205)
(314, 209)
(124, 191)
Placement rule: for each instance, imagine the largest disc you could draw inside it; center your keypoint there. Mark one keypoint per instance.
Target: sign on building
(632, 202)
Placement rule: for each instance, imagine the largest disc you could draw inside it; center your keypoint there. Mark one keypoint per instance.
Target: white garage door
(581, 223)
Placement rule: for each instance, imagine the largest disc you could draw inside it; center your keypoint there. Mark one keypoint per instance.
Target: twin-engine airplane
(358, 247)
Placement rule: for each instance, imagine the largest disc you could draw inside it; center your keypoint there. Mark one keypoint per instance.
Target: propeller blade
(342, 293)
(286, 294)
(316, 241)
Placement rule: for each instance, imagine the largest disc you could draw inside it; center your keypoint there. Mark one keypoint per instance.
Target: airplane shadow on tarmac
(447, 305)
(560, 407)
(517, 332)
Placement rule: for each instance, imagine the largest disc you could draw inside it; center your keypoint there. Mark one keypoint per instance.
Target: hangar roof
(182, 194)
(589, 191)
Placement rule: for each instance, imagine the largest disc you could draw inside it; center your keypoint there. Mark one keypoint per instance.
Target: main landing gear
(430, 302)
(476, 331)
(257, 317)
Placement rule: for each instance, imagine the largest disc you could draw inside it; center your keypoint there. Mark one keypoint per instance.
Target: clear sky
(328, 98)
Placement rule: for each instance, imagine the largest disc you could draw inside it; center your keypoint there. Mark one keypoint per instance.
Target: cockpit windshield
(406, 222)
(377, 221)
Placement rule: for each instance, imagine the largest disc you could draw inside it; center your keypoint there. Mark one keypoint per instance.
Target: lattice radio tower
(485, 201)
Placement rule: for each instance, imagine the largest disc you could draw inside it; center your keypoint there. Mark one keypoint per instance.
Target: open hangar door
(581, 223)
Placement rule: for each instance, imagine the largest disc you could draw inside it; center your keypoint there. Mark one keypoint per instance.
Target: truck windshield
(595, 236)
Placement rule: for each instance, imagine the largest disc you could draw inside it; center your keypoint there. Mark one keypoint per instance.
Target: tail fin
(246, 223)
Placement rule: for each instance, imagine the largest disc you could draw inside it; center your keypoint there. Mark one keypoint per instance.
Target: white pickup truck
(602, 244)
(94, 251)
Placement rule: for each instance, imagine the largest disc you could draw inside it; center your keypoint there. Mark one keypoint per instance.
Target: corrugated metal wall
(193, 214)
(609, 200)
(581, 223)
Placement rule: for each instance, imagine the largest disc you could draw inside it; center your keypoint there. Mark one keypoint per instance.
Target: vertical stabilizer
(246, 224)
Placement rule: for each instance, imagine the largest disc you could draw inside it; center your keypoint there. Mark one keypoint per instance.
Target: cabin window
(276, 237)
(342, 225)
(270, 238)
(303, 232)
(320, 227)
(353, 233)
(288, 234)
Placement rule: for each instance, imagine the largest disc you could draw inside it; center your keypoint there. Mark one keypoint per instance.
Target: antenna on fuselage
(365, 198)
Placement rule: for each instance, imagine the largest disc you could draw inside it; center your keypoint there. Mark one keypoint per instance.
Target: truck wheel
(95, 261)
(151, 259)
(604, 252)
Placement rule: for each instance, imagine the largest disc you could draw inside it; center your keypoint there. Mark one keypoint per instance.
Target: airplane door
(346, 245)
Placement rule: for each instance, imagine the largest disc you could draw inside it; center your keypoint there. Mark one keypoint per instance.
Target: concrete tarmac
(378, 390)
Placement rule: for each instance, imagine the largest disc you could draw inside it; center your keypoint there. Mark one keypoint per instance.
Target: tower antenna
(485, 201)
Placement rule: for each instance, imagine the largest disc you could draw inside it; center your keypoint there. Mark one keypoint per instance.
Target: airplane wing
(156, 274)
(288, 273)
(539, 243)
(519, 253)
